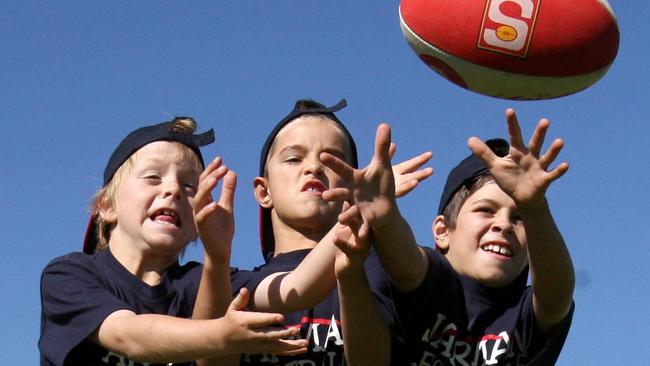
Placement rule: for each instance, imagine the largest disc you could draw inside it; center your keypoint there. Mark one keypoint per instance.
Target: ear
(262, 192)
(440, 233)
(107, 213)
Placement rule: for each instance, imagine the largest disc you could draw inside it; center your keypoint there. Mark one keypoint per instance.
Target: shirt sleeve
(248, 279)
(422, 298)
(542, 349)
(75, 302)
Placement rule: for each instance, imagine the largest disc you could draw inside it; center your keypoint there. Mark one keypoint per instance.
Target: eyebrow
(483, 200)
(303, 148)
(292, 147)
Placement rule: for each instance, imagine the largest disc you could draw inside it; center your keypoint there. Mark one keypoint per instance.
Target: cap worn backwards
(165, 131)
(148, 134)
(468, 169)
(267, 240)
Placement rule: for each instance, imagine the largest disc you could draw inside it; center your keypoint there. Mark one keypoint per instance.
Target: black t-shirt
(78, 291)
(454, 320)
(321, 325)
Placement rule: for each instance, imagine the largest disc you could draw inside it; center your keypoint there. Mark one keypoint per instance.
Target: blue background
(76, 76)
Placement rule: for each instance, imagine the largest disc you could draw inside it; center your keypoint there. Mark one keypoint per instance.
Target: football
(514, 49)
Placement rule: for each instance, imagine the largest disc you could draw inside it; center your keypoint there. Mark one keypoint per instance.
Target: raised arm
(314, 278)
(373, 192)
(525, 175)
(365, 332)
(216, 225)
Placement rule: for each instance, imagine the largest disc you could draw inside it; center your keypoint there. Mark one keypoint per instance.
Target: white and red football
(514, 49)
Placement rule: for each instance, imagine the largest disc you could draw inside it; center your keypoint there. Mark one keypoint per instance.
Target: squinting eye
(292, 160)
(152, 177)
(484, 209)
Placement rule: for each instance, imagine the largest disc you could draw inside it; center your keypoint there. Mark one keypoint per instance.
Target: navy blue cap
(468, 169)
(165, 131)
(267, 241)
(148, 134)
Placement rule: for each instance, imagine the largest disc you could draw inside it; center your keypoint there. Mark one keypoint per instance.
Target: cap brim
(267, 242)
(90, 239)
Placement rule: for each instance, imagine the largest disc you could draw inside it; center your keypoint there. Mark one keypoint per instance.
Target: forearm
(551, 269)
(215, 294)
(399, 253)
(212, 302)
(175, 340)
(365, 333)
(305, 286)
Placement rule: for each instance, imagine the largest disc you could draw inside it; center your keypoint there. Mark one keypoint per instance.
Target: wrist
(212, 263)
(351, 277)
(388, 223)
(533, 208)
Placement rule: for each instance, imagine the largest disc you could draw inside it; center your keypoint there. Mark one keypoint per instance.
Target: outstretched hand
(524, 173)
(214, 220)
(372, 189)
(407, 176)
(253, 332)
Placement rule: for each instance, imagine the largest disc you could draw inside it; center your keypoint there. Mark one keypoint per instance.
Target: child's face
(296, 178)
(153, 203)
(489, 241)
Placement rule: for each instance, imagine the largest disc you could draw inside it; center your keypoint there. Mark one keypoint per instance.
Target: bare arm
(314, 278)
(365, 333)
(525, 176)
(215, 224)
(305, 286)
(374, 193)
(162, 338)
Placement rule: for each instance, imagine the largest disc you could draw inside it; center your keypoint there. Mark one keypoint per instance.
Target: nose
(314, 166)
(502, 223)
(172, 189)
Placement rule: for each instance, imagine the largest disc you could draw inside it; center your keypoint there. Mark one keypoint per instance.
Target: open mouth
(166, 216)
(498, 249)
(314, 186)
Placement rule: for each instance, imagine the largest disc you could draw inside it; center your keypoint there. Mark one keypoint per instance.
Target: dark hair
(303, 107)
(460, 197)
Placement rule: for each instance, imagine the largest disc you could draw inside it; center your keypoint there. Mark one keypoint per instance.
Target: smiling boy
(466, 302)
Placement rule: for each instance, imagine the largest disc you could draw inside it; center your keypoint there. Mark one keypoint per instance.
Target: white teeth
(169, 213)
(497, 249)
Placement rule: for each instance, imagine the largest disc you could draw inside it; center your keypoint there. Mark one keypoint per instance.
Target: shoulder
(438, 267)
(73, 258)
(72, 264)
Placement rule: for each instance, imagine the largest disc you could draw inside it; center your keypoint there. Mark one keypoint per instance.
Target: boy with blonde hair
(126, 299)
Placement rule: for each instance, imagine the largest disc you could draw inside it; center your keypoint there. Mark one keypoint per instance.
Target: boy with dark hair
(298, 227)
(467, 303)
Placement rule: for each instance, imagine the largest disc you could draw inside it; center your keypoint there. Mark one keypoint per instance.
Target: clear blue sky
(76, 76)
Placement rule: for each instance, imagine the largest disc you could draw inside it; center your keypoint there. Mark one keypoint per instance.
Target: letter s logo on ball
(508, 25)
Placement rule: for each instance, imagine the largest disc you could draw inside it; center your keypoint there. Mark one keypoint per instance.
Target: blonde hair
(106, 197)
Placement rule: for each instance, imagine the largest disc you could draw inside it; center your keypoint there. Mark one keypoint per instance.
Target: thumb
(240, 302)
